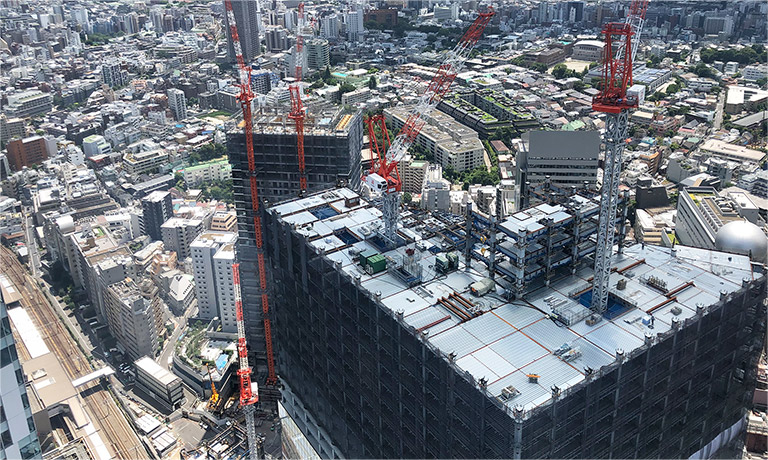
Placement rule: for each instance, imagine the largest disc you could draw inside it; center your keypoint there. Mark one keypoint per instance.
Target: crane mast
(298, 111)
(386, 179)
(248, 389)
(614, 101)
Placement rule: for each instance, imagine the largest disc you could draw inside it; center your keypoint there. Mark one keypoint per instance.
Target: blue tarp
(221, 361)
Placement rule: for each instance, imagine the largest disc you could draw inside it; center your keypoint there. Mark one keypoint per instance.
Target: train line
(119, 437)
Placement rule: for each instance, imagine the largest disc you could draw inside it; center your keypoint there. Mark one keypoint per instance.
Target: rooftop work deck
(521, 348)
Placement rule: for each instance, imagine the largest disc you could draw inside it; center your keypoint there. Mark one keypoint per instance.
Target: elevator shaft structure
(614, 101)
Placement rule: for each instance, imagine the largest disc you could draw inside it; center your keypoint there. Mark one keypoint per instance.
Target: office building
(212, 259)
(135, 316)
(247, 17)
(95, 144)
(112, 74)
(261, 81)
(755, 72)
(146, 162)
(702, 211)
(179, 233)
(333, 139)
(156, 209)
(545, 156)
(755, 183)
(29, 151)
(18, 436)
(28, 104)
(428, 358)
(452, 144)
(10, 128)
(435, 191)
(177, 102)
(224, 221)
(162, 386)
(318, 53)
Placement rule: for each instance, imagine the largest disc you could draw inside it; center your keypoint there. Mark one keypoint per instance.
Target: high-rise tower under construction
(443, 348)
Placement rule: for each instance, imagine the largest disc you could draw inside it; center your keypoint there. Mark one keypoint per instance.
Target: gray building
(177, 102)
(248, 28)
(157, 207)
(164, 387)
(135, 316)
(18, 436)
(332, 144)
(409, 363)
(112, 74)
(568, 158)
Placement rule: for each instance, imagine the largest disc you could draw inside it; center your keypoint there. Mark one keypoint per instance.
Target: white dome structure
(743, 237)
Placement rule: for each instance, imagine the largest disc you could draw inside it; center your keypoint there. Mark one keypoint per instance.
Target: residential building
(545, 158)
(179, 233)
(157, 208)
(741, 98)
(29, 151)
(261, 81)
(448, 370)
(487, 111)
(18, 436)
(217, 169)
(353, 22)
(112, 74)
(357, 96)
(28, 104)
(412, 173)
(144, 162)
(318, 53)
(452, 144)
(247, 19)
(135, 316)
(277, 39)
(329, 26)
(435, 191)
(10, 128)
(162, 386)
(755, 183)
(177, 102)
(755, 72)
(224, 221)
(95, 144)
(212, 259)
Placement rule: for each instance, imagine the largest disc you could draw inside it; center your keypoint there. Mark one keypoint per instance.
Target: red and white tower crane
(248, 389)
(384, 179)
(614, 101)
(298, 111)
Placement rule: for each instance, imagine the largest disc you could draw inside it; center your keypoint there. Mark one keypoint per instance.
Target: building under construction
(333, 138)
(485, 348)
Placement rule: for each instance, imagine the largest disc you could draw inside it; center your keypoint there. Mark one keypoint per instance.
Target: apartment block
(135, 316)
(144, 162)
(29, 151)
(212, 258)
(28, 104)
(213, 170)
(179, 233)
(452, 144)
(157, 208)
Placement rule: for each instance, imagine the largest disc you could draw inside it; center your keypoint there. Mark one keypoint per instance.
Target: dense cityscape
(383, 229)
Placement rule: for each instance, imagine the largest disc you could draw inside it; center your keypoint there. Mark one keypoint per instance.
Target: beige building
(135, 316)
(224, 221)
(144, 162)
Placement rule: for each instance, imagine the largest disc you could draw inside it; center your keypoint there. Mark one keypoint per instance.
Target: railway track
(116, 433)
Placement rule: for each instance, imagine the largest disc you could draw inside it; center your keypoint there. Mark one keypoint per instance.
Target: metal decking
(504, 341)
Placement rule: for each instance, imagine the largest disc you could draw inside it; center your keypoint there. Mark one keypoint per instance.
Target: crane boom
(298, 111)
(385, 179)
(614, 101)
(249, 389)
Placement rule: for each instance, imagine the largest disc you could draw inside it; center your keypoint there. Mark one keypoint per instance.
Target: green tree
(673, 88)
(560, 71)
(346, 88)
(407, 198)
(181, 184)
(372, 82)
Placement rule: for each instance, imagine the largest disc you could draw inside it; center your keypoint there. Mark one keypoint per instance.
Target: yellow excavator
(213, 402)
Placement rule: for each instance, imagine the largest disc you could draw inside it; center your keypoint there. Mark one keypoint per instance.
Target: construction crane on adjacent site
(385, 179)
(298, 111)
(213, 402)
(248, 389)
(616, 102)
